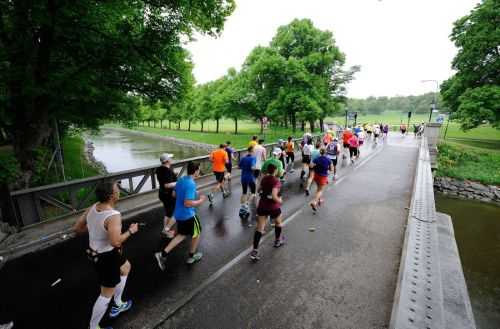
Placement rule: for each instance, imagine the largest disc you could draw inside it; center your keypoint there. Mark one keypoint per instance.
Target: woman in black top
(167, 180)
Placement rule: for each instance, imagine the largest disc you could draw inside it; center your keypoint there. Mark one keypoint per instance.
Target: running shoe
(278, 243)
(210, 198)
(116, 310)
(307, 192)
(313, 206)
(254, 255)
(196, 257)
(162, 262)
(7, 325)
(225, 195)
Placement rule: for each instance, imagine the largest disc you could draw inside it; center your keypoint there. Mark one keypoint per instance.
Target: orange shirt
(289, 147)
(346, 136)
(219, 159)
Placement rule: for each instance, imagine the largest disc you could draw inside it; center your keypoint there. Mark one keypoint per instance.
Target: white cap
(166, 157)
(277, 151)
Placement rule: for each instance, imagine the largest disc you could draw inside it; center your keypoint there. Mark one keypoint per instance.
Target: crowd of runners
(262, 177)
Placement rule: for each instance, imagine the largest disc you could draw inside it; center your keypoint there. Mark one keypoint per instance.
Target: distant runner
(188, 223)
(247, 166)
(274, 160)
(166, 179)
(219, 160)
(314, 154)
(321, 165)
(260, 156)
(376, 133)
(269, 206)
(332, 153)
(290, 154)
(353, 148)
(345, 139)
(104, 225)
(253, 142)
(230, 155)
(306, 157)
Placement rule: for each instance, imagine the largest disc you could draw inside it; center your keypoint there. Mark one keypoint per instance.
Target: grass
(239, 141)
(75, 163)
(465, 162)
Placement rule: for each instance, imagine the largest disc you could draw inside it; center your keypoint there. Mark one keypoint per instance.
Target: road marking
(212, 278)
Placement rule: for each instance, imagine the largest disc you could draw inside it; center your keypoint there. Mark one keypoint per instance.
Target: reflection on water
(119, 150)
(477, 231)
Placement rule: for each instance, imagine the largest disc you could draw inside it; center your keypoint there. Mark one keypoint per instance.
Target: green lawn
(239, 141)
(461, 161)
(75, 163)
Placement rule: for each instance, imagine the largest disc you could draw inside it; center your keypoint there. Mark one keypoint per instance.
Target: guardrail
(51, 202)
(422, 298)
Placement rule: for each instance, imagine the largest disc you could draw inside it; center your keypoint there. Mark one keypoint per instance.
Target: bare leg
(175, 241)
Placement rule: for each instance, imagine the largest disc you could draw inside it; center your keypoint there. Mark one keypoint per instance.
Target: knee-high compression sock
(119, 290)
(256, 239)
(277, 232)
(100, 306)
(302, 173)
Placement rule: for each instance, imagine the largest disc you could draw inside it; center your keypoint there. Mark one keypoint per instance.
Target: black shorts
(346, 145)
(229, 167)
(273, 213)
(369, 132)
(246, 185)
(219, 176)
(353, 151)
(306, 159)
(403, 131)
(168, 205)
(108, 267)
(334, 161)
(376, 135)
(256, 173)
(189, 227)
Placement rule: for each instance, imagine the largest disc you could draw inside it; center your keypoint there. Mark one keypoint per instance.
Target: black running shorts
(229, 167)
(273, 213)
(189, 227)
(246, 185)
(108, 267)
(219, 176)
(334, 162)
(353, 151)
(168, 205)
(306, 159)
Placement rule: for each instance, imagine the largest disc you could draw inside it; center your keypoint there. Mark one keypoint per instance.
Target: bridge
(376, 255)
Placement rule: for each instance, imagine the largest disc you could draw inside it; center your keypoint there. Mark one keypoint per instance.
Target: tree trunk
(302, 125)
(311, 125)
(236, 126)
(286, 120)
(261, 126)
(202, 122)
(321, 125)
(161, 123)
(189, 125)
(294, 122)
(149, 124)
(179, 125)
(217, 126)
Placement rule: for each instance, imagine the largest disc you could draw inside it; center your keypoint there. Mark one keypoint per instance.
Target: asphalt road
(344, 272)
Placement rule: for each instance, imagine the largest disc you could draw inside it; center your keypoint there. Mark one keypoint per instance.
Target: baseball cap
(166, 157)
(277, 151)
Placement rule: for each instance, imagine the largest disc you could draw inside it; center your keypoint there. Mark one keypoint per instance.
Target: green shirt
(277, 163)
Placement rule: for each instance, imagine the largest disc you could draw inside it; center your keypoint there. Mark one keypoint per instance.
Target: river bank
(469, 190)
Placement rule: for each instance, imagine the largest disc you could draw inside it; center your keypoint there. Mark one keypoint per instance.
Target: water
(120, 150)
(477, 231)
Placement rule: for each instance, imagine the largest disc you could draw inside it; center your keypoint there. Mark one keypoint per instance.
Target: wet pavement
(342, 275)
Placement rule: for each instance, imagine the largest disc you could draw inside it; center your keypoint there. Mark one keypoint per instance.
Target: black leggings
(290, 156)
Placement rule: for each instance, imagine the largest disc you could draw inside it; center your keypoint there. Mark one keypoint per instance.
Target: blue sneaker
(116, 310)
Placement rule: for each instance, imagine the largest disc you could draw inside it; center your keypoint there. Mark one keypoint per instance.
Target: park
(215, 164)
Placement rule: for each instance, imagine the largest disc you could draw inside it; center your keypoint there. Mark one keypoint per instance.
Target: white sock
(100, 306)
(119, 290)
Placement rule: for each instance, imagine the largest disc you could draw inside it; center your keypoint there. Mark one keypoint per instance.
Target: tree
(234, 97)
(83, 61)
(472, 94)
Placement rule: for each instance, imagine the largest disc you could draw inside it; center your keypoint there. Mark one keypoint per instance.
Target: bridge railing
(56, 201)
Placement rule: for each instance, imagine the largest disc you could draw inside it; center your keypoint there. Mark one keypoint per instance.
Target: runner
(314, 154)
(188, 223)
(306, 157)
(275, 161)
(369, 130)
(247, 166)
(386, 130)
(253, 142)
(402, 128)
(290, 154)
(260, 156)
(327, 138)
(361, 139)
(166, 179)
(376, 133)
(230, 156)
(332, 152)
(269, 206)
(219, 160)
(345, 139)
(321, 165)
(353, 148)
(282, 156)
(104, 225)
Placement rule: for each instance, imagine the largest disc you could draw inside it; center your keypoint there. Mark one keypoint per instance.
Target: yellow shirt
(252, 143)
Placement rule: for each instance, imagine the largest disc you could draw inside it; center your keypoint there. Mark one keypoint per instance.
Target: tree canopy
(83, 61)
(473, 93)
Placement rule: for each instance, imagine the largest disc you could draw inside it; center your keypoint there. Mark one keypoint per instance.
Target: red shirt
(346, 136)
(267, 184)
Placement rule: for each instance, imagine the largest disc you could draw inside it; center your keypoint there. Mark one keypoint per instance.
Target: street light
(434, 102)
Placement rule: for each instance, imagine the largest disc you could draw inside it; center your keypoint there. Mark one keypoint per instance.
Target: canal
(477, 232)
(120, 150)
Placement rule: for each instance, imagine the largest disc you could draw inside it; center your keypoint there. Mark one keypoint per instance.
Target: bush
(10, 170)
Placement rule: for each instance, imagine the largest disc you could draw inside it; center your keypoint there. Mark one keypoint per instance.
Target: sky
(397, 43)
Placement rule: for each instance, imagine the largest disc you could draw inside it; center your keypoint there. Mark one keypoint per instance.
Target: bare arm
(80, 226)
(170, 185)
(195, 203)
(275, 196)
(114, 227)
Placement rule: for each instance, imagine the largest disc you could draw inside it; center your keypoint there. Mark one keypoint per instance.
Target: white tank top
(98, 236)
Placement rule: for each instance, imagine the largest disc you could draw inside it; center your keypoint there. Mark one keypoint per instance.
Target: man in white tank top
(104, 225)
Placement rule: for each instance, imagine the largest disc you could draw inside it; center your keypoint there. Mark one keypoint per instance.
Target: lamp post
(434, 101)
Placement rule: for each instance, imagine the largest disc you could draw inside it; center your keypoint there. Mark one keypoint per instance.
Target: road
(342, 275)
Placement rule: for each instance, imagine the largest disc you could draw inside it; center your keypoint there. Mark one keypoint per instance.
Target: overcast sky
(397, 43)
